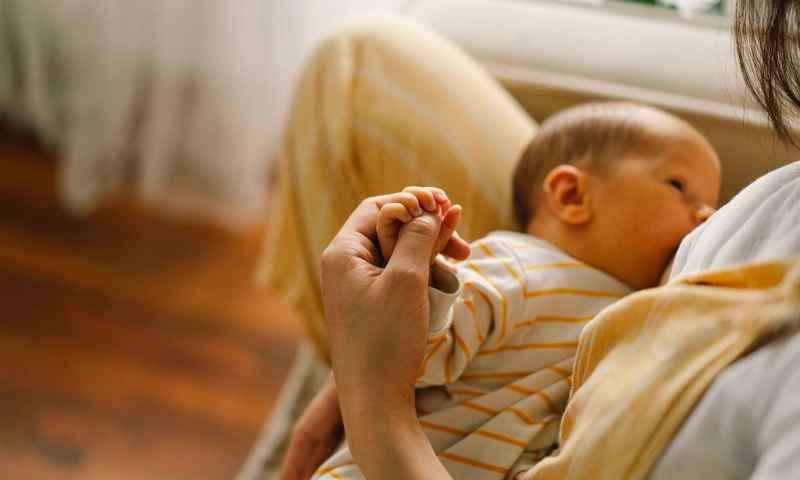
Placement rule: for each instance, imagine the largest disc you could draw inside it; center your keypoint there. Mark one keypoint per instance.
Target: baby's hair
(591, 136)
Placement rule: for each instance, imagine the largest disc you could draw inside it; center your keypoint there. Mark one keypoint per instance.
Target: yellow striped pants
(383, 103)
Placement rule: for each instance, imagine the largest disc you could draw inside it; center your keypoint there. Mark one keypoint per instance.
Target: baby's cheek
(660, 232)
(651, 225)
(671, 219)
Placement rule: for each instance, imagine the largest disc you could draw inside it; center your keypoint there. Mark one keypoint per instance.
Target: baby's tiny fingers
(392, 212)
(409, 200)
(425, 197)
(438, 195)
(441, 198)
(457, 248)
(450, 222)
(447, 229)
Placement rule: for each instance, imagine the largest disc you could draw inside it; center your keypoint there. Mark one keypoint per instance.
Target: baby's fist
(403, 207)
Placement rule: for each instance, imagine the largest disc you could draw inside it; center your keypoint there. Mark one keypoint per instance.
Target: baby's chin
(667, 271)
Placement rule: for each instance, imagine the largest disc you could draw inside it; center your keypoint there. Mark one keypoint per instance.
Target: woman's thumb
(415, 243)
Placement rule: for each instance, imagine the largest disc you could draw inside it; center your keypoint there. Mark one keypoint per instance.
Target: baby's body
(504, 329)
(496, 374)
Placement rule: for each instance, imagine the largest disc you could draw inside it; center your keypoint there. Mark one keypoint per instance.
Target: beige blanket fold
(645, 361)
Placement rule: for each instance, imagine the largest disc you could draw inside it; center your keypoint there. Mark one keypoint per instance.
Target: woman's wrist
(386, 439)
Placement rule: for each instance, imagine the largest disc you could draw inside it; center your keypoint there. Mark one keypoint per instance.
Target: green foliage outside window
(714, 7)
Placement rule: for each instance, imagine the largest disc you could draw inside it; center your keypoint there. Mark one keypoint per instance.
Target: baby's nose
(702, 213)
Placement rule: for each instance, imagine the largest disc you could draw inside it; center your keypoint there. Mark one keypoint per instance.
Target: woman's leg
(385, 103)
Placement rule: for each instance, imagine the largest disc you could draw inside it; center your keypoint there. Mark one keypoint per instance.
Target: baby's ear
(566, 189)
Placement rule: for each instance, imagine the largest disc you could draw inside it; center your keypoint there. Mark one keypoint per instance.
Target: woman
(746, 425)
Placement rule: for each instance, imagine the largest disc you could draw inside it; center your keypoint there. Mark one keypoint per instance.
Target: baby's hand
(405, 206)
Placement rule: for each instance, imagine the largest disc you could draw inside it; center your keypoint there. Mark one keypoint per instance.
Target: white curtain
(181, 100)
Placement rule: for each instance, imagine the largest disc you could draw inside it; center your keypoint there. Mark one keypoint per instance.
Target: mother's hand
(377, 319)
(377, 322)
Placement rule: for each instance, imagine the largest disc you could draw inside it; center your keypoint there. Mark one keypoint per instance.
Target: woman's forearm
(387, 441)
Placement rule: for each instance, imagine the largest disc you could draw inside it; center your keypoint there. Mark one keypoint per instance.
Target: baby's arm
(405, 206)
(479, 305)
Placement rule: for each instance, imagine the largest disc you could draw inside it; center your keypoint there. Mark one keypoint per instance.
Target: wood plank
(131, 346)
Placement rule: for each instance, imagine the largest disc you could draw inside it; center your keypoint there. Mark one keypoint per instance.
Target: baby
(605, 192)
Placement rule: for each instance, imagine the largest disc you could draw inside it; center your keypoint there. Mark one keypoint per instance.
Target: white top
(761, 223)
(747, 426)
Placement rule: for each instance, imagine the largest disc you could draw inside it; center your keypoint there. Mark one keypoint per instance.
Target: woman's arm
(377, 323)
(319, 430)
(386, 440)
(315, 435)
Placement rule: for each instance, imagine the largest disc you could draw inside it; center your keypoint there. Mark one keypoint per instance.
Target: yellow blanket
(645, 362)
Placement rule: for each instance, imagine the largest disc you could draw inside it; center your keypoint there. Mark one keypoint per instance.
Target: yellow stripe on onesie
(501, 344)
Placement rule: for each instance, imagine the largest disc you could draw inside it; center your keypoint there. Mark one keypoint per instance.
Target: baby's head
(617, 185)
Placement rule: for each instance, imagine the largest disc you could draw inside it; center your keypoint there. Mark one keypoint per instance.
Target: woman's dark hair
(767, 37)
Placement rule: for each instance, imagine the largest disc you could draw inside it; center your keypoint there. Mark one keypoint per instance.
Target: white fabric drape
(183, 100)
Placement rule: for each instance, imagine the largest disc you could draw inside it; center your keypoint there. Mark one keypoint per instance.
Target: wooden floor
(131, 347)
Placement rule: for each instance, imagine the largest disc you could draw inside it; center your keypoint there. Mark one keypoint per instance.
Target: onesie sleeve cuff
(441, 296)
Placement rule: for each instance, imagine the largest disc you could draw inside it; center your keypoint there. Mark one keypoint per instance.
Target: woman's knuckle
(407, 274)
(426, 225)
